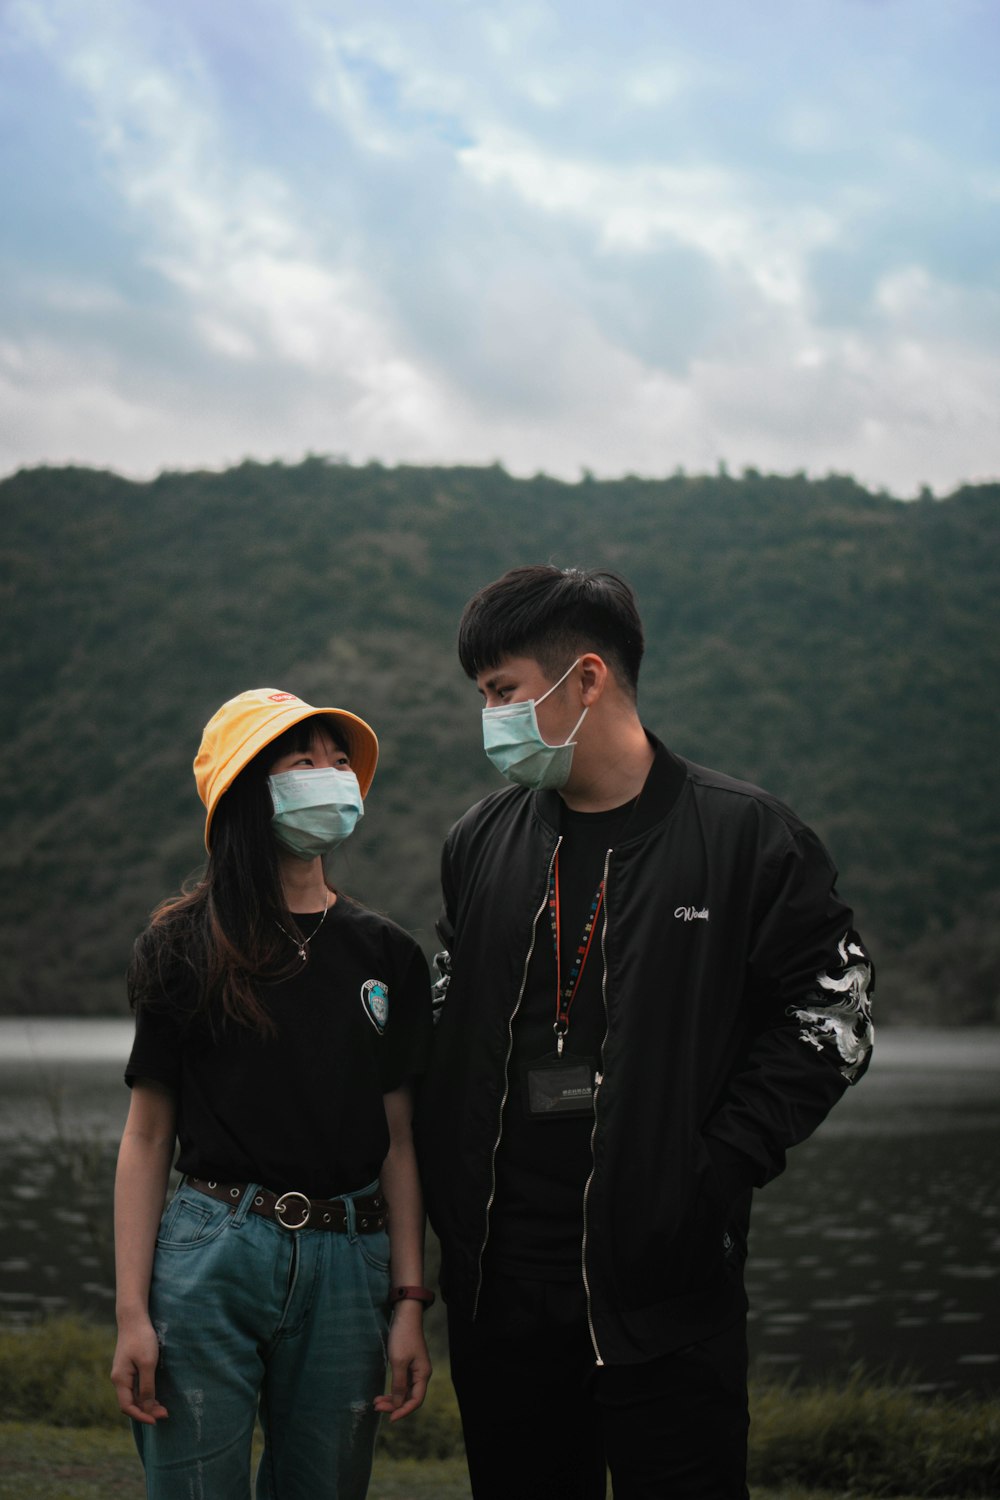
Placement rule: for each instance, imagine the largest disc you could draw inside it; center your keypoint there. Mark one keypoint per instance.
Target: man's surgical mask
(315, 809)
(514, 744)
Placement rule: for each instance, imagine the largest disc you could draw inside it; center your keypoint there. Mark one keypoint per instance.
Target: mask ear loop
(562, 679)
(569, 740)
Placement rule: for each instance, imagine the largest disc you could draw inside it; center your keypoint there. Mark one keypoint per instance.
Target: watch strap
(411, 1293)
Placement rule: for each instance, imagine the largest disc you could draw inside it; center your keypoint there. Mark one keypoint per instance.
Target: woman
(278, 1025)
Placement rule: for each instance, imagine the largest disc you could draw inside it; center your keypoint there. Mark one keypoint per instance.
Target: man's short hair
(553, 615)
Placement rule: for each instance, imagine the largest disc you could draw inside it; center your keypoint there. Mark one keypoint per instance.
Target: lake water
(881, 1243)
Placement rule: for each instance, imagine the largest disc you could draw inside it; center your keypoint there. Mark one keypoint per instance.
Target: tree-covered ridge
(837, 646)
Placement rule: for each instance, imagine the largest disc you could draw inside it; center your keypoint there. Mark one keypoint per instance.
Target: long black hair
(210, 947)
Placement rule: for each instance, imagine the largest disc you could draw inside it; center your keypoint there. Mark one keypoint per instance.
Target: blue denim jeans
(256, 1319)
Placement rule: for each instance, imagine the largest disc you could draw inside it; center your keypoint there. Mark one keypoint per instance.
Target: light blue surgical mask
(514, 744)
(315, 809)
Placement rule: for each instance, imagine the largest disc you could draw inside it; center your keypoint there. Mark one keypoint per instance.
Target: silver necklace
(303, 943)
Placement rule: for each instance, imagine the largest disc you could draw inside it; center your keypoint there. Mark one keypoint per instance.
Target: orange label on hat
(282, 698)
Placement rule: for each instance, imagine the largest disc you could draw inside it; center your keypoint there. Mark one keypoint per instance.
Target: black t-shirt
(301, 1109)
(542, 1164)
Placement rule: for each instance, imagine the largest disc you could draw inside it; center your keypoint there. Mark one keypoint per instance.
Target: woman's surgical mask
(315, 809)
(513, 742)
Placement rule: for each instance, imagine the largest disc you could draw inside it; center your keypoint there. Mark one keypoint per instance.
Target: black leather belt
(295, 1211)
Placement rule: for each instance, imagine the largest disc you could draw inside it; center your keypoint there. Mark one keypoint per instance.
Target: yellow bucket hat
(247, 723)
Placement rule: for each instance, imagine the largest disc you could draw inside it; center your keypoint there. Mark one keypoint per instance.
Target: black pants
(543, 1422)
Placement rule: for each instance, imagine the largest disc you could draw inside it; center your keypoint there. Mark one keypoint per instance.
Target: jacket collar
(660, 791)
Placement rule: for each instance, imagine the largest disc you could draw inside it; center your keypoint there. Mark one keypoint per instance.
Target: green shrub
(57, 1372)
(435, 1431)
(859, 1436)
(862, 1436)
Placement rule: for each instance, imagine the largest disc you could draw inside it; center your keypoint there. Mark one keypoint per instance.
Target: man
(654, 990)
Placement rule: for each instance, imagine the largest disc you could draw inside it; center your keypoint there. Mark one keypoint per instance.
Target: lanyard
(565, 995)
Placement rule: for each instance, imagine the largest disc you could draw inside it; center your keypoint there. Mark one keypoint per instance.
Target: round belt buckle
(281, 1206)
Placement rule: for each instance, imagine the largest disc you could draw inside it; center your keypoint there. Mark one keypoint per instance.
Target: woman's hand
(409, 1362)
(133, 1372)
(140, 1187)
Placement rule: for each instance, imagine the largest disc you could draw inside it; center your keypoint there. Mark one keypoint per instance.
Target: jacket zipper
(506, 1077)
(598, 1080)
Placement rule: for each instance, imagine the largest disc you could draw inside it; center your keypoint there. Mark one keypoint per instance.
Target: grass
(40, 1462)
(62, 1437)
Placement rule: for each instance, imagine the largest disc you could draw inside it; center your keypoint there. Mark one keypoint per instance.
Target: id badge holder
(557, 1086)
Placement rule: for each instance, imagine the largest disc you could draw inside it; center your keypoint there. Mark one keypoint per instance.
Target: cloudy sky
(624, 235)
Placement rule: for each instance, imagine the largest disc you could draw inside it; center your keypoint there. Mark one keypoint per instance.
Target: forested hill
(839, 647)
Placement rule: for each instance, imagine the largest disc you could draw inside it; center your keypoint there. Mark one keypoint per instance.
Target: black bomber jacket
(736, 998)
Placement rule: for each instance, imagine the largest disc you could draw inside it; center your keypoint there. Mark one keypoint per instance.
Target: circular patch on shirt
(375, 999)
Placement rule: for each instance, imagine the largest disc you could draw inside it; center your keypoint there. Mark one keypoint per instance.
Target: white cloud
(38, 376)
(82, 296)
(638, 209)
(554, 235)
(225, 232)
